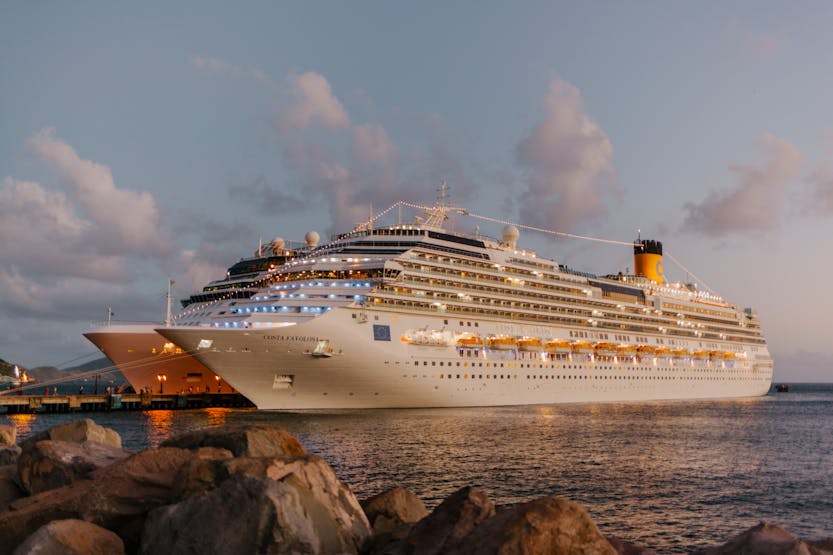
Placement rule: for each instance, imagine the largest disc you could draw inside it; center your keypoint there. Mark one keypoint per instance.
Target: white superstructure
(419, 316)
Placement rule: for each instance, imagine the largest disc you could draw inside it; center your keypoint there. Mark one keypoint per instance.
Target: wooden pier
(26, 404)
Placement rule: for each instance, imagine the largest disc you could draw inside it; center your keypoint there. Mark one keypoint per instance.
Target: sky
(154, 140)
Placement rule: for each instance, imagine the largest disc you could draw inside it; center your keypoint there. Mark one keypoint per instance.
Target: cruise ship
(418, 315)
(150, 362)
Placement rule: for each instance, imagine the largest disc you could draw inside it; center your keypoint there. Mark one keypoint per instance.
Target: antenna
(109, 315)
(168, 309)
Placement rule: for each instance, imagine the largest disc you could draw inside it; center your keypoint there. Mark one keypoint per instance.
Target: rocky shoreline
(73, 489)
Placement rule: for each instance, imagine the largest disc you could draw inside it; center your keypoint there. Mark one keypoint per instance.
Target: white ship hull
(369, 366)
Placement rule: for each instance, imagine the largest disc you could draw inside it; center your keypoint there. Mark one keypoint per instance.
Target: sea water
(672, 476)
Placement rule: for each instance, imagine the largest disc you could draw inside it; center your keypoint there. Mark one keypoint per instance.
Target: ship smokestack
(647, 260)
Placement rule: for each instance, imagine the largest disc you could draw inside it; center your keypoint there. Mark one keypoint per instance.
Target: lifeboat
(715, 355)
(701, 354)
(646, 350)
(681, 353)
(581, 347)
(607, 349)
(626, 350)
(501, 343)
(728, 355)
(557, 346)
(427, 338)
(529, 344)
(470, 341)
(663, 352)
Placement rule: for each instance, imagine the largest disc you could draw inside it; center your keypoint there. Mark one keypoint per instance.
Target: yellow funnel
(647, 260)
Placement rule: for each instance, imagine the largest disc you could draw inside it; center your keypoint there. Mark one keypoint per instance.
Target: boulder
(46, 465)
(454, 519)
(390, 509)
(8, 435)
(9, 490)
(544, 526)
(71, 537)
(203, 473)
(764, 539)
(117, 497)
(248, 514)
(9, 454)
(78, 431)
(623, 547)
(242, 441)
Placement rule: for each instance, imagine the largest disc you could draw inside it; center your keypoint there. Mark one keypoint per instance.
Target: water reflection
(673, 476)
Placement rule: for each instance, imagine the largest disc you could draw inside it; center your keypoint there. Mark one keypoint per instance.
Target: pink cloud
(567, 161)
(819, 199)
(127, 219)
(313, 102)
(754, 203)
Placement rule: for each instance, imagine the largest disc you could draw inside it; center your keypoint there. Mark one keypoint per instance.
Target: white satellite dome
(277, 245)
(510, 235)
(311, 239)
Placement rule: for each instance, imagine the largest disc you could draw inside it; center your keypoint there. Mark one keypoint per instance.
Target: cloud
(754, 203)
(567, 162)
(753, 46)
(819, 199)
(128, 219)
(313, 102)
(216, 66)
(267, 198)
(67, 298)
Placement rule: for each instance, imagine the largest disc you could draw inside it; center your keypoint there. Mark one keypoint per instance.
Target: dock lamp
(162, 379)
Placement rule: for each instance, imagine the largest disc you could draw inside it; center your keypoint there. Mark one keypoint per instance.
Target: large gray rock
(242, 441)
(766, 539)
(78, 431)
(203, 473)
(71, 537)
(247, 514)
(548, 526)
(390, 509)
(199, 477)
(9, 490)
(9, 454)
(623, 547)
(46, 465)
(8, 435)
(454, 519)
(117, 497)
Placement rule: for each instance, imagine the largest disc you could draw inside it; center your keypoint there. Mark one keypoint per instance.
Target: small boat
(606, 349)
(681, 353)
(427, 338)
(502, 343)
(470, 341)
(626, 350)
(782, 388)
(557, 346)
(530, 344)
(582, 347)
